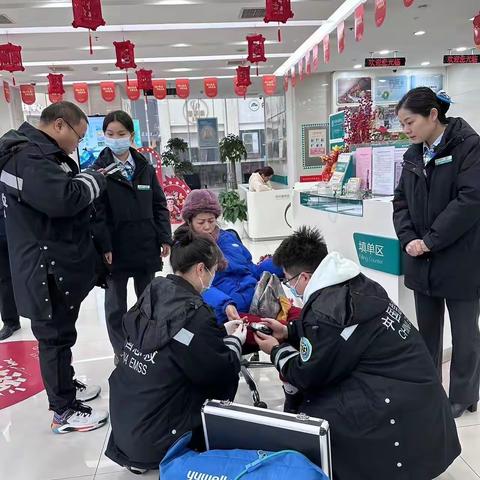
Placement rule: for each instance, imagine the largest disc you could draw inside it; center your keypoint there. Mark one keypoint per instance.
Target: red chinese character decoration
(243, 76)
(210, 85)
(476, 30)
(108, 91)
(239, 91)
(256, 49)
(315, 58)
(182, 86)
(269, 84)
(133, 93)
(408, 3)
(144, 80)
(278, 11)
(380, 12)
(159, 89)
(359, 22)
(87, 14)
(55, 84)
(125, 52)
(11, 58)
(341, 37)
(326, 49)
(285, 82)
(80, 92)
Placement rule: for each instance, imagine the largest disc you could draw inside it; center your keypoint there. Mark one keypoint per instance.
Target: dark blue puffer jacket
(236, 285)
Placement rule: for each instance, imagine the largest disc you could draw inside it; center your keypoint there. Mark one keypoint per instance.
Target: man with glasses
(48, 218)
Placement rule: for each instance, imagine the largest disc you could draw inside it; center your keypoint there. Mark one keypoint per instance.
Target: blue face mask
(118, 145)
(294, 292)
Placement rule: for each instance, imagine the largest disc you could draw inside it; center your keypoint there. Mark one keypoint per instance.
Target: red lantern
(6, 91)
(28, 94)
(183, 87)
(144, 79)
(11, 58)
(108, 91)
(87, 14)
(239, 90)
(278, 11)
(326, 49)
(256, 49)
(159, 89)
(133, 92)
(55, 84)
(269, 84)
(243, 76)
(341, 37)
(80, 92)
(476, 30)
(55, 97)
(125, 52)
(316, 60)
(359, 22)
(380, 12)
(210, 85)
(408, 3)
(285, 83)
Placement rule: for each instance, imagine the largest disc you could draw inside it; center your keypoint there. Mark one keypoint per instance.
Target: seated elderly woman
(231, 290)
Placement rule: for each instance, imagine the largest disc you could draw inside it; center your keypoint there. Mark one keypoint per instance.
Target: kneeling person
(357, 362)
(175, 358)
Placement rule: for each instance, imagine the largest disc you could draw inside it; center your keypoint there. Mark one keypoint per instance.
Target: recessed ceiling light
(181, 45)
(461, 49)
(384, 52)
(174, 2)
(420, 33)
(180, 70)
(55, 5)
(244, 42)
(94, 47)
(114, 72)
(357, 66)
(324, 84)
(425, 64)
(382, 80)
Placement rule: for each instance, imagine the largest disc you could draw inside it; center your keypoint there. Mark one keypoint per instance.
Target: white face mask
(212, 277)
(118, 145)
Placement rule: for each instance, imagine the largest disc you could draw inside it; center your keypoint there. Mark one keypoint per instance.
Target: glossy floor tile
(29, 451)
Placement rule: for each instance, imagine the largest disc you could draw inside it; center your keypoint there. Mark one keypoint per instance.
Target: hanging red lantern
(240, 91)
(183, 87)
(108, 91)
(315, 58)
(359, 22)
(55, 97)
(133, 92)
(326, 49)
(210, 86)
(6, 91)
(269, 84)
(476, 30)
(285, 82)
(28, 94)
(408, 3)
(80, 92)
(243, 76)
(278, 11)
(55, 84)
(159, 89)
(11, 58)
(125, 52)
(256, 49)
(341, 37)
(144, 80)
(87, 14)
(380, 12)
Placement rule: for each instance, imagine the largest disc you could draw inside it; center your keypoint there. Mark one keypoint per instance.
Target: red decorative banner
(408, 3)
(341, 37)
(269, 84)
(210, 86)
(6, 91)
(476, 30)
(285, 82)
(28, 94)
(359, 22)
(294, 76)
(308, 65)
(80, 92)
(108, 91)
(316, 59)
(55, 97)
(326, 49)
(183, 87)
(300, 70)
(240, 90)
(159, 89)
(131, 87)
(380, 12)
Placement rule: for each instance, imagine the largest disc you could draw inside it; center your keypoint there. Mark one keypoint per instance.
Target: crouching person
(175, 358)
(357, 362)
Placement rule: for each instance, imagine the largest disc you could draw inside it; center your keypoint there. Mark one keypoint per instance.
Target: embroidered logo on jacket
(305, 349)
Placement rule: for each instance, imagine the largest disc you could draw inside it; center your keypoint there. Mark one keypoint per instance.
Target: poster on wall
(207, 132)
(385, 117)
(337, 129)
(352, 90)
(314, 144)
(433, 81)
(390, 89)
(383, 166)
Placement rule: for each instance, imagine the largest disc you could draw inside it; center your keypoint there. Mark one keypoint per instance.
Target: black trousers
(8, 308)
(116, 303)
(56, 337)
(465, 365)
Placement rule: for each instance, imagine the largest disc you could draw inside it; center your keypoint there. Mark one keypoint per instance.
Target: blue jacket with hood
(236, 284)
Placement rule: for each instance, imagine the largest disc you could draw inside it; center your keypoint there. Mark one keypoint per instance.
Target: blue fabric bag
(182, 463)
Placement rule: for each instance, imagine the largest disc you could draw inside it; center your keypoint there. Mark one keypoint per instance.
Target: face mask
(204, 289)
(294, 292)
(118, 145)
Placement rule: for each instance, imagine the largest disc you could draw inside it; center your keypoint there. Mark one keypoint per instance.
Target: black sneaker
(136, 471)
(78, 418)
(7, 331)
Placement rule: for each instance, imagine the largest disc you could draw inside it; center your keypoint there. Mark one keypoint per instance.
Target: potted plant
(174, 156)
(234, 211)
(232, 150)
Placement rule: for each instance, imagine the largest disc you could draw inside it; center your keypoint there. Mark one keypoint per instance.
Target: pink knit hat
(200, 201)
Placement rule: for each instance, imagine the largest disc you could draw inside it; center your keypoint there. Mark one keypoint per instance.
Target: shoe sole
(62, 429)
(88, 399)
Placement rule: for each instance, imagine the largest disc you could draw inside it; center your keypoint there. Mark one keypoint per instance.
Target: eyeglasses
(80, 138)
(287, 282)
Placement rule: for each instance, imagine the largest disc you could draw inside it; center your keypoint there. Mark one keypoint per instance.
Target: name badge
(143, 187)
(443, 161)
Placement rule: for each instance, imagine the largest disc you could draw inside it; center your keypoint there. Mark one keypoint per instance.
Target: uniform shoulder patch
(305, 349)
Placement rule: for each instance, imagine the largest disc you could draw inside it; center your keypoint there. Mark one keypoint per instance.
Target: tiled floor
(29, 451)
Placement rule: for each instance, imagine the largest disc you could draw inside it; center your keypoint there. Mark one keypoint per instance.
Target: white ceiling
(180, 47)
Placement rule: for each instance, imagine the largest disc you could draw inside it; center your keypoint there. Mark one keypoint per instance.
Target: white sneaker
(86, 393)
(78, 418)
